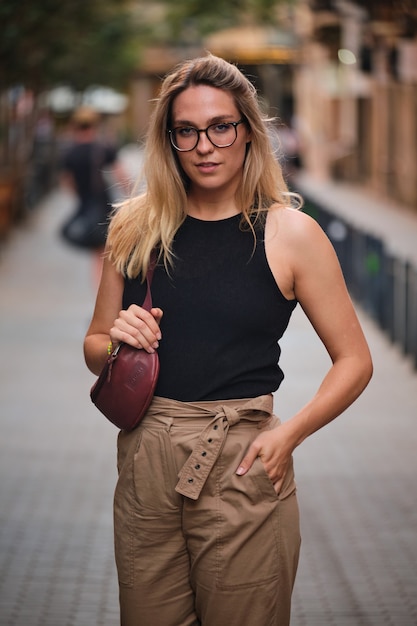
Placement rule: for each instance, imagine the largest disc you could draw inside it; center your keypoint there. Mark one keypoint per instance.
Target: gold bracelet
(110, 348)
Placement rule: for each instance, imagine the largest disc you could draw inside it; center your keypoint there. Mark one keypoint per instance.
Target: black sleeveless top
(223, 314)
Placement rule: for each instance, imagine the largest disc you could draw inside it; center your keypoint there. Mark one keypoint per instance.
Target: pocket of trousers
(249, 538)
(265, 486)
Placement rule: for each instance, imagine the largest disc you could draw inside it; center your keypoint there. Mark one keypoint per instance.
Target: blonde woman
(206, 516)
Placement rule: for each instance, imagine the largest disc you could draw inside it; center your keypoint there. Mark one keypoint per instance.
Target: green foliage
(193, 18)
(80, 42)
(187, 21)
(76, 41)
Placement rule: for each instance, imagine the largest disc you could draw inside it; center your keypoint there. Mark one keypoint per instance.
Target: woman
(206, 517)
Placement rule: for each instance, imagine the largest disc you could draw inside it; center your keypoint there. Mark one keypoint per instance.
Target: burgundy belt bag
(126, 384)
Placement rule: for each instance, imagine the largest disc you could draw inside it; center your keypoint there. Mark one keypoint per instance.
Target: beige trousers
(195, 543)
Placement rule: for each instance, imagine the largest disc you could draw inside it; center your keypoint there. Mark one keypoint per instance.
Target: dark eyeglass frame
(170, 131)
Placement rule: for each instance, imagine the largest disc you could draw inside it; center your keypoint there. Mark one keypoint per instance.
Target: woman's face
(210, 169)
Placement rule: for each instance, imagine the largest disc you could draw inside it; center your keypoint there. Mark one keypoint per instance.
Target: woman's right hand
(138, 328)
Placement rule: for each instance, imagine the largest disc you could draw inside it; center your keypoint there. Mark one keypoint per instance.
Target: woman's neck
(211, 209)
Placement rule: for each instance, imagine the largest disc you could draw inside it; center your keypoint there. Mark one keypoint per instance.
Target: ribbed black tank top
(223, 314)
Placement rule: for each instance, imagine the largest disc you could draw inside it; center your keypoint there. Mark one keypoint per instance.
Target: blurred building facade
(356, 93)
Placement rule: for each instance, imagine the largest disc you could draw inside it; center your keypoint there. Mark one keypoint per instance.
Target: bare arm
(305, 264)
(135, 326)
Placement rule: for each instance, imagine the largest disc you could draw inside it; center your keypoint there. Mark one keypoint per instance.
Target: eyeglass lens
(221, 135)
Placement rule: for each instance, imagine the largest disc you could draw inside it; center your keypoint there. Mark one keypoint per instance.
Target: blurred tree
(187, 21)
(75, 41)
(99, 41)
(45, 43)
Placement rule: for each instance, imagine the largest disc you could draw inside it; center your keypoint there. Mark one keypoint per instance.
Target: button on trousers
(197, 545)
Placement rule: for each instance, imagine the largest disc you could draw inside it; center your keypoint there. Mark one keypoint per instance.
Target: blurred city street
(356, 478)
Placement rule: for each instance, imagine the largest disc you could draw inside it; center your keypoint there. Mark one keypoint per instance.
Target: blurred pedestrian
(82, 172)
(205, 509)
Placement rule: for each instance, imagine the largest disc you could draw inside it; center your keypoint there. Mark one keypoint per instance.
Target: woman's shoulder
(293, 225)
(297, 247)
(298, 241)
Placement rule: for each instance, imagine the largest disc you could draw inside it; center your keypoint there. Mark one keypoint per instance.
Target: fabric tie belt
(226, 414)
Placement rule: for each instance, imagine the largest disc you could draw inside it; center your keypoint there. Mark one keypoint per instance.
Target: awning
(254, 45)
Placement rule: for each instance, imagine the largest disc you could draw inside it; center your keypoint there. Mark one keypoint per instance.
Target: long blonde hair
(152, 218)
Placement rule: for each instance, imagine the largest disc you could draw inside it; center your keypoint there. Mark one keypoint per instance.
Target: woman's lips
(207, 167)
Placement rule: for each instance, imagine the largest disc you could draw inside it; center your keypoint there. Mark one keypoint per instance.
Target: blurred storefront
(356, 93)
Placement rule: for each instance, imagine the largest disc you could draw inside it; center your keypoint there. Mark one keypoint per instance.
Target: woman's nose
(204, 143)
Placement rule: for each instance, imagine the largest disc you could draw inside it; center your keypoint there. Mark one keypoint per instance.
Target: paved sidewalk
(57, 455)
(357, 477)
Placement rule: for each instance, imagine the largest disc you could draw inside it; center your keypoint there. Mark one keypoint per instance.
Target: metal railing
(383, 285)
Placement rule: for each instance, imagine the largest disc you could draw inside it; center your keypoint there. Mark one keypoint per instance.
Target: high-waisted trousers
(196, 544)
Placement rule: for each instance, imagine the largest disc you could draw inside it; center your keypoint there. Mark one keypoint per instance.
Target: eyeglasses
(221, 135)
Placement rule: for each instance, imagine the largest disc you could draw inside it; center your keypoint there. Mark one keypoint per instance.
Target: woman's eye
(221, 128)
(186, 131)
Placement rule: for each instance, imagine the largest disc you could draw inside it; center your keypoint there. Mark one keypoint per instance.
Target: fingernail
(240, 470)
(155, 345)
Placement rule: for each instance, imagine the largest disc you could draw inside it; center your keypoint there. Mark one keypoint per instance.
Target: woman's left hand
(272, 448)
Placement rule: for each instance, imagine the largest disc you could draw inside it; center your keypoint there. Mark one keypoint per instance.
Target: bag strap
(147, 303)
